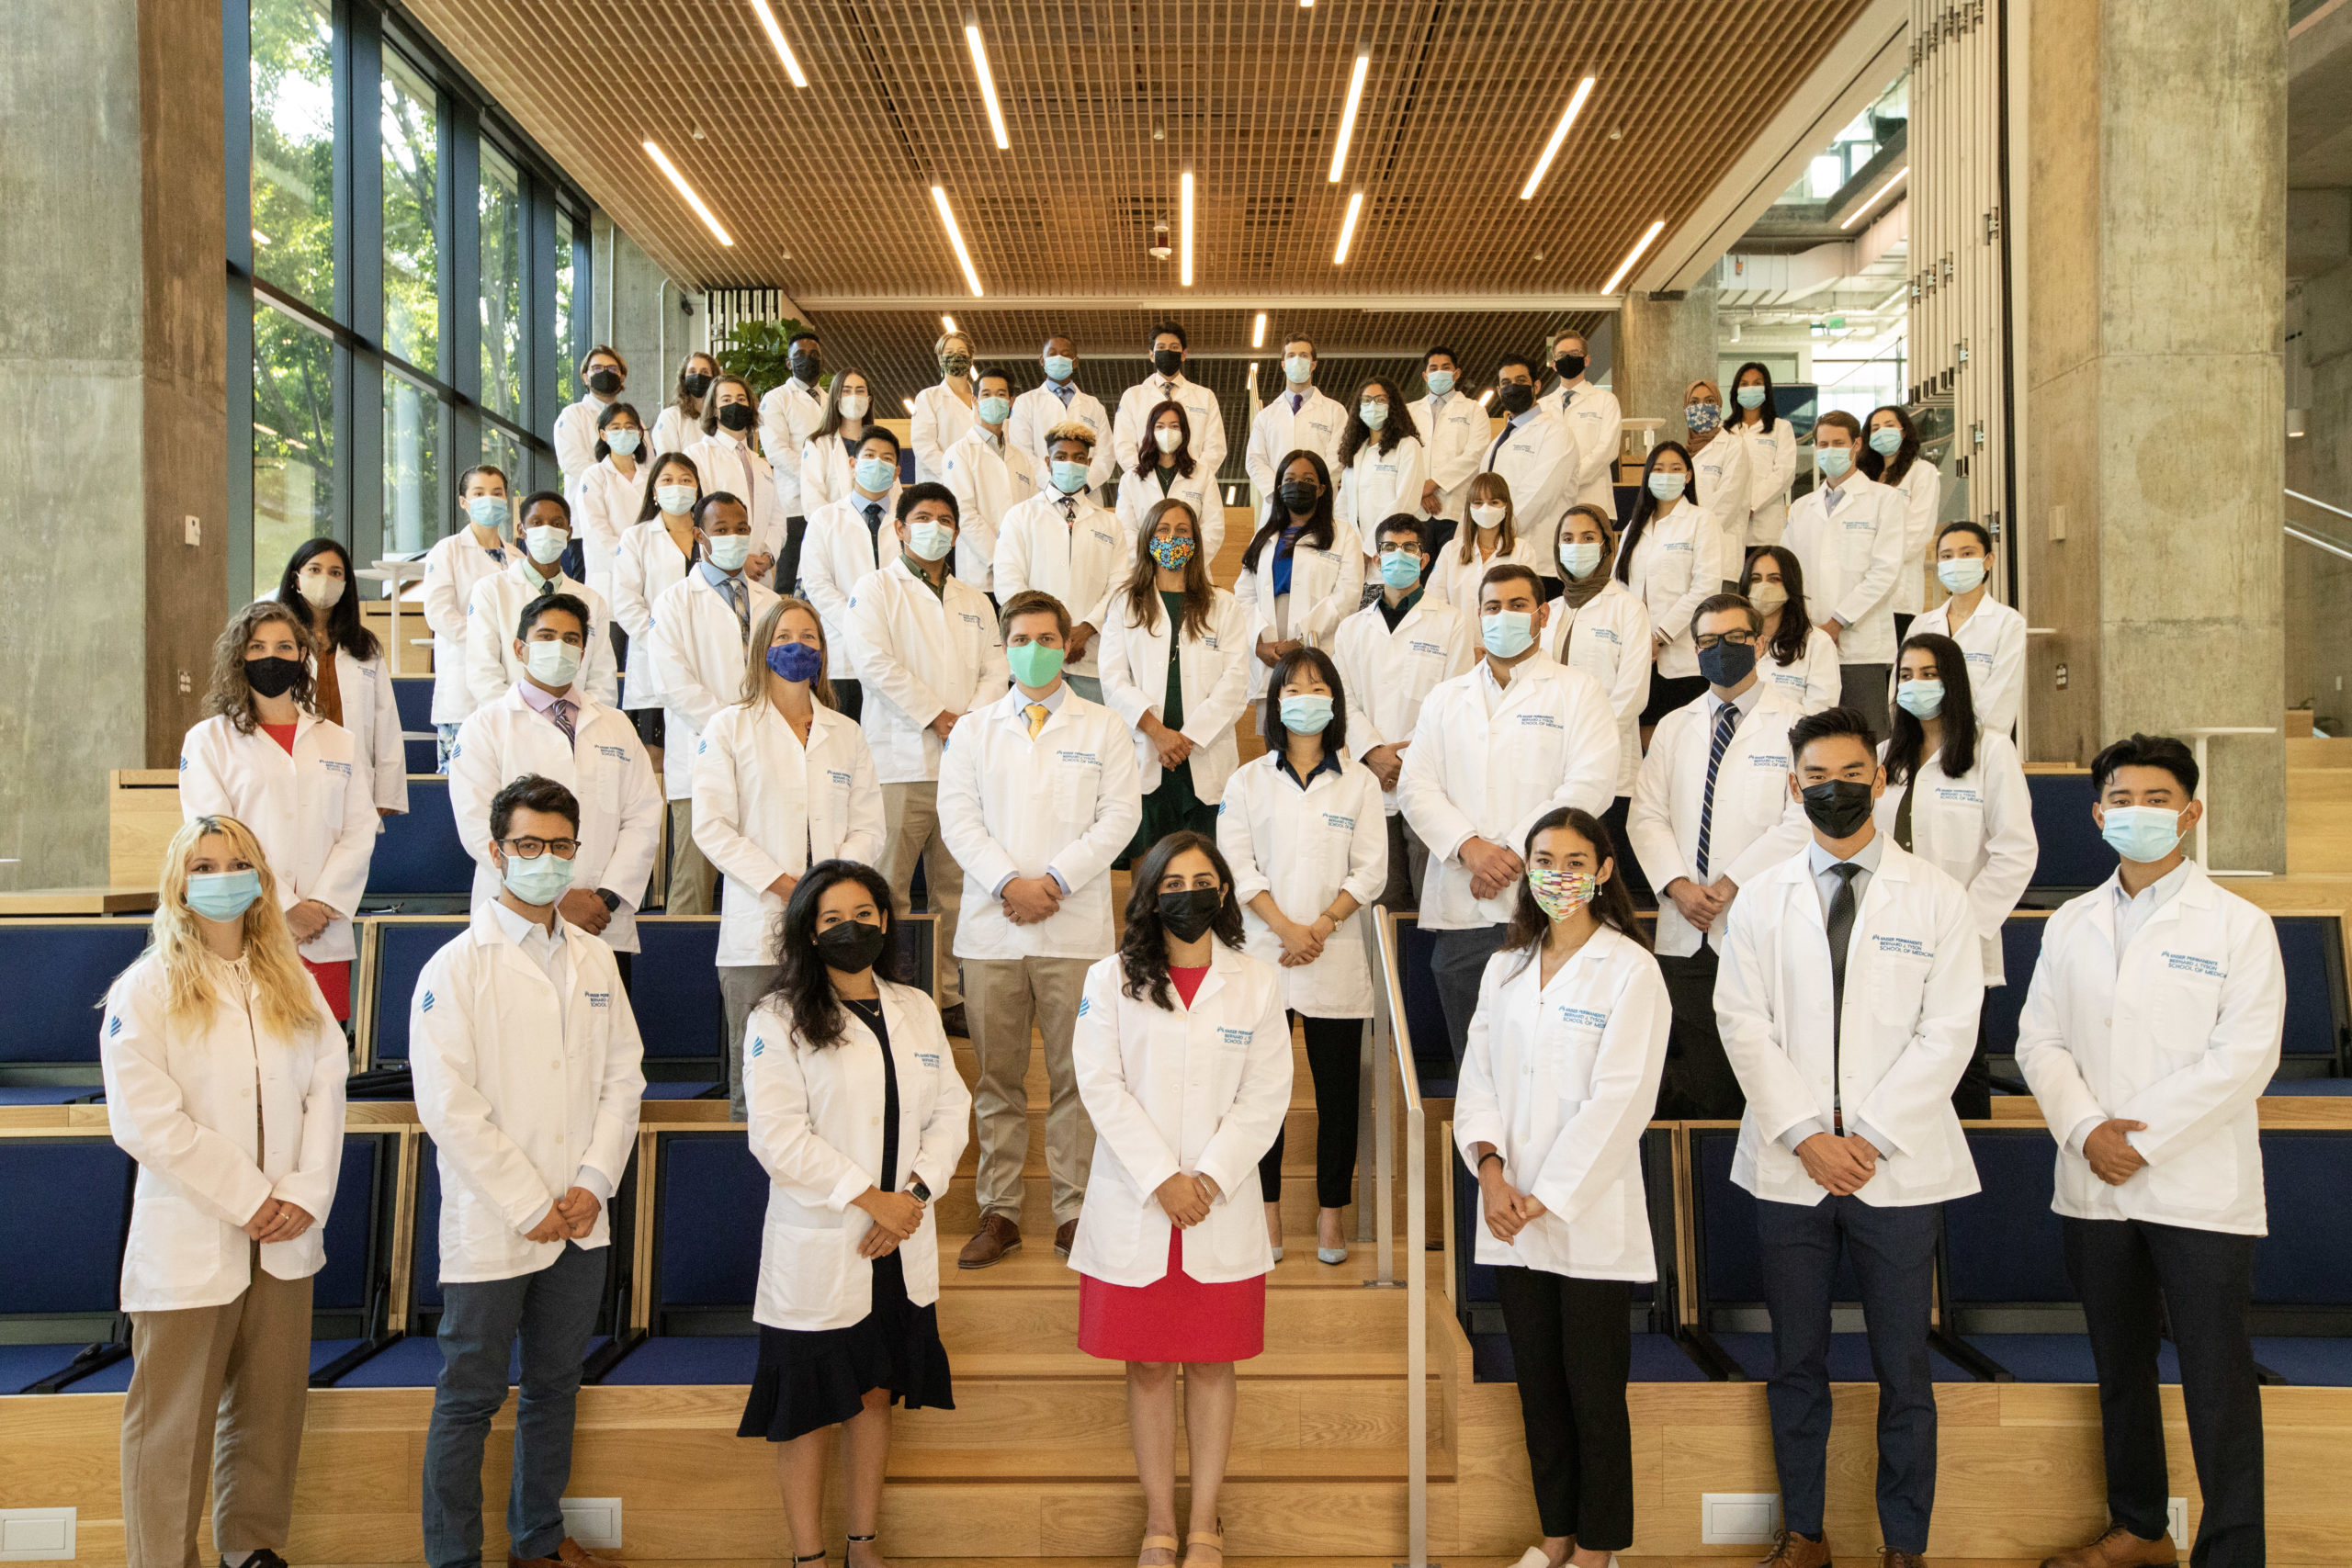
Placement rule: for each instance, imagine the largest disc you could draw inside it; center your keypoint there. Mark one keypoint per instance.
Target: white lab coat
(1561, 1079)
(521, 1090)
(606, 768)
(939, 421)
(1993, 642)
(575, 434)
(767, 806)
(699, 660)
(314, 815)
(1387, 675)
(837, 551)
(1812, 682)
(1538, 458)
(604, 507)
(816, 1128)
(452, 567)
(1976, 829)
(1306, 846)
(1214, 670)
(496, 609)
(918, 654)
(788, 416)
(1080, 560)
(1039, 408)
(1851, 561)
(1455, 432)
(827, 470)
(1456, 582)
(1680, 560)
(1277, 432)
(1771, 469)
(650, 564)
(1377, 486)
(1914, 986)
(674, 430)
(1139, 494)
(989, 477)
(1608, 639)
(1065, 802)
(1487, 761)
(1757, 822)
(1719, 480)
(2181, 1031)
(1596, 425)
(1325, 588)
(1920, 492)
(1200, 1089)
(1200, 411)
(727, 463)
(180, 1101)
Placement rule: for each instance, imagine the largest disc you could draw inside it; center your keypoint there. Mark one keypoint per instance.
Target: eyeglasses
(532, 849)
(1706, 641)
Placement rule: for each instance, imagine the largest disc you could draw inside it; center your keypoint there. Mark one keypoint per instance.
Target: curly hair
(228, 697)
(1143, 951)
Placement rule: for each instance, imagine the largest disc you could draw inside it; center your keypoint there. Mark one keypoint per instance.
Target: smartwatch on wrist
(612, 899)
(915, 1186)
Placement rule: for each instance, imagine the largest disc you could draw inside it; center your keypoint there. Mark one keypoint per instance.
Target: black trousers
(1458, 962)
(787, 564)
(1894, 1252)
(1621, 848)
(1574, 1348)
(1972, 1097)
(849, 700)
(2131, 1277)
(1335, 1056)
(1699, 1085)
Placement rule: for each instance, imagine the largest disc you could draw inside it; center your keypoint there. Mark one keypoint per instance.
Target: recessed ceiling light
(988, 85)
(956, 238)
(1184, 227)
(661, 161)
(948, 322)
(782, 49)
(1633, 255)
(1348, 113)
(1559, 134)
(1257, 331)
(909, 402)
(1348, 227)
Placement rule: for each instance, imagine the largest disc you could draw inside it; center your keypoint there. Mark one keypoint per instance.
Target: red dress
(335, 975)
(1176, 1317)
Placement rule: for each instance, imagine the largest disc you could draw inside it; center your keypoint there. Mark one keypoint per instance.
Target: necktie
(498, 555)
(1167, 389)
(1065, 393)
(1565, 398)
(739, 603)
(1727, 720)
(874, 527)
(562, 711)
(1069, 512)
(1038, 713)
(1296, 399)
(1841, 931)
(1490, 464)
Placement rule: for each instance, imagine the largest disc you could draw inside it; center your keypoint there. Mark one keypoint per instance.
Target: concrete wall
(638, 316)
(2319, 462)
(1665, 343)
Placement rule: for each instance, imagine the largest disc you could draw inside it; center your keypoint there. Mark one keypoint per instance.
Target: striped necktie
(740, 602)
(1727, 720)
(562, 710)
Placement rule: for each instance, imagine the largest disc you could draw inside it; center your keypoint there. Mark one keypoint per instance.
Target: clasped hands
(1186, 1198)
(1492, 867)
(1028, 900)
(1508, 1210)
(1702, 906)
(569, 1218)
(1302, 945)
(1843, 1166)
(277, 1220)
(896, 1216)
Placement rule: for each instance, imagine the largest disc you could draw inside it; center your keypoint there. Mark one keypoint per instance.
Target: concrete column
(2319, 462)
(2155, 300)
(637, 312)
(114, 356)
(1665, 343)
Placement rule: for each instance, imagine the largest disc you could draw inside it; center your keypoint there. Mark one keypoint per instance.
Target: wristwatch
(915, 1186)
(612, 899)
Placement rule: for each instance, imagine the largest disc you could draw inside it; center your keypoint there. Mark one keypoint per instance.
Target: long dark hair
(1143, 951)
(1400, 422)
(647, 508)
(1734, 414)
(344, 628)
(1908, 738)
(1277, 733)
(1889, 470)
(801, 990)
(1611, 905)
(1142, 580)
(686, 402)
(1319, 529)
(1646, 504)
(1148, 452)
(1796, 623)
(613, 411)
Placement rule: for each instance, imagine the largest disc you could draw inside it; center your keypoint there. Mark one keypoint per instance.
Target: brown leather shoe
(996, 1237)
(569, 1553)
(1064, 1237)
(1790, 1550)
(1890, 1558)
(2116, 1548)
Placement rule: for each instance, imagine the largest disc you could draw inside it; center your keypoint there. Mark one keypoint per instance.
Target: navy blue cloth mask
(795, 660)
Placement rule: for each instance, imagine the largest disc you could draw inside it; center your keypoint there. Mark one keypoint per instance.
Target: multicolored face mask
(1702, 417)
(1560, 893)
(1173, 554)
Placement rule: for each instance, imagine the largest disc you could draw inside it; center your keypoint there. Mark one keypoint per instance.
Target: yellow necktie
(1038, 713)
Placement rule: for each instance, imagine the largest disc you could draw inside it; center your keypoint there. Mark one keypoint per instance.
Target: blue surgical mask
(1665, 486)
(876, 475)
(1308, 714)
(1886, 440)
(1373, 415)
(1961, 574)
(621, 443)
(928, 539)
(540, 881)
(487, 510)
(1750, 397)
(1921, 699)
(1833, 461)
(2141, 833)
(1400, 568)
(1581, 558)
(1068, 477)
(993, 410)
(223, 895)
(729, 551)
(1441, 382)
(1509, 634)
(1060, 367)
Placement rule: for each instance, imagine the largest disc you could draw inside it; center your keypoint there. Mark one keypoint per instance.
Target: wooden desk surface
(36, 901)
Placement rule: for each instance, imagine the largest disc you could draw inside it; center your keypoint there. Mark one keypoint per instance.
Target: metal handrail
(1389, 1028)
(2318, 541)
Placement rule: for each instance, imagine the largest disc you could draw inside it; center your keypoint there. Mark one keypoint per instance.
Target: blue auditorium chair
(419, 865)
(2302, 1269)
(2073, 856)
(55, 973)
(402, 946)
(710, 1209)
(673, 988)
(66, 1201)
(412, 696)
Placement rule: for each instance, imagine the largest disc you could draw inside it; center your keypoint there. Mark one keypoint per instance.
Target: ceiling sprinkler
(1160, 250)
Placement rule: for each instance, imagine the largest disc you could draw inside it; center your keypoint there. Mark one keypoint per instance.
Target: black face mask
(850, 947)
(696, 386)
(806, 367)
(1569, 366)
(738, 416)
(604, 383)
(1839, 807)
(1727, 663)
(1298, 495)
(1514, 397)
(1166, 361)
(273, 677)
(1186, 915)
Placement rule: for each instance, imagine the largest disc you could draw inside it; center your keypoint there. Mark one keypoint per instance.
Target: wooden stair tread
(1036, 1267)
(1114, 1463)
(1072, 1362)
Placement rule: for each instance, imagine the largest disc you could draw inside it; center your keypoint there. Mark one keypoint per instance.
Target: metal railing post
(1388, 1025)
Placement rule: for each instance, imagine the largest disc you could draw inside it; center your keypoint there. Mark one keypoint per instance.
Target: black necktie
(1841, 931)
(1727, 720)
(874, 528)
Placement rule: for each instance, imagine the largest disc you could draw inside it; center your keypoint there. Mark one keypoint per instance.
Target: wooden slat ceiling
(826, 190)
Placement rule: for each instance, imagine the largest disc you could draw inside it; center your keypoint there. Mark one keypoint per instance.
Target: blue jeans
(553, 1310)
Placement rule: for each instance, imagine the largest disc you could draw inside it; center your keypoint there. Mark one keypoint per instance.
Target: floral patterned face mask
(1558, 893)
(1702, 417)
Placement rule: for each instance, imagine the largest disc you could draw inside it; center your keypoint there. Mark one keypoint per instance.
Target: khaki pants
(911, 833)
(740, 987)
(216, 1393)
(1006, 995)
(694, 882)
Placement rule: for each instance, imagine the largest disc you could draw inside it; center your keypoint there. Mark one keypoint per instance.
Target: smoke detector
(1160, 249)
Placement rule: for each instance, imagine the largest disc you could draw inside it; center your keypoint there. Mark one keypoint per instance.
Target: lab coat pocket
(1077, 774)
(2186, 996)
(1896, 981)
(2202, 1181)
(803, 1267)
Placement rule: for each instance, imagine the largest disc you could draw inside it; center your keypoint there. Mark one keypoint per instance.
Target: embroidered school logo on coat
(620, 754)
(600, 999)
(426, 1005)
(1903, 947)
(1085, 1006)
(1331, 820)
(113, 1026)
(2189, 963)
(759, 1045)
(1232, 1036)
(1582, 1018)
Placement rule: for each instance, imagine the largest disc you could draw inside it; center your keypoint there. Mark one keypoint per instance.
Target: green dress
(1174, 807)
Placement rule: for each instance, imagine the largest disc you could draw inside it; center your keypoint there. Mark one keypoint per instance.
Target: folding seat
(55, 973)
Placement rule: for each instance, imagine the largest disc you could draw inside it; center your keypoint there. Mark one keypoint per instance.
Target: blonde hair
(1489, 487)
(1071, 430)
(282, 986)
(755, 671)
